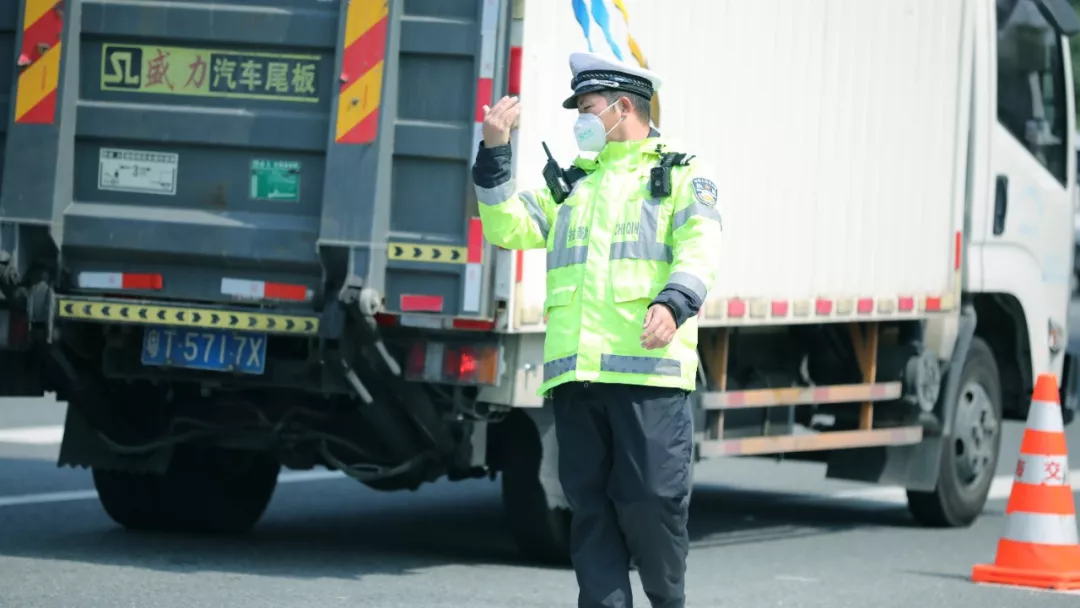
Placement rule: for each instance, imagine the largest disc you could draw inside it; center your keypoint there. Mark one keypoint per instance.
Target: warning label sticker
(275, 180)
(137, 171)
(209, 73)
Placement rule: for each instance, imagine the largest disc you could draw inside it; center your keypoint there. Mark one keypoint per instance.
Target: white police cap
(593, 72)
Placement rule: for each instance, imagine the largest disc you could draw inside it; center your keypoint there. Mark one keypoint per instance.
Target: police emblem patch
(704, 191)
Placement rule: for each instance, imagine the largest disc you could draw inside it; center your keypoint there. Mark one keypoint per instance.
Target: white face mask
(589, 131)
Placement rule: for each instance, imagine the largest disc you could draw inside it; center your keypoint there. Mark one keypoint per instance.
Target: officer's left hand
(659, 327)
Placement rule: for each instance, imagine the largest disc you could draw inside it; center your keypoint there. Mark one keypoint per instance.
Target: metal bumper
(134, 312)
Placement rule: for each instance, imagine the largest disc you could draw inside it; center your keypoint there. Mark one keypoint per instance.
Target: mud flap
(82, 446)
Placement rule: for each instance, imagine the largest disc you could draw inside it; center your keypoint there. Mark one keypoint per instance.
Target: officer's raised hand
(498, 121)
(659, 327)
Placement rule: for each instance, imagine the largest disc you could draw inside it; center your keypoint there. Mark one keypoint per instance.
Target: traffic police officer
(631, 253)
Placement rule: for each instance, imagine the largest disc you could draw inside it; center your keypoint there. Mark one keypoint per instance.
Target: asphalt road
(765, 534)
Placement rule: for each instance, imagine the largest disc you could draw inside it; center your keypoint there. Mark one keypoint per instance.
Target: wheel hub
(976, 434)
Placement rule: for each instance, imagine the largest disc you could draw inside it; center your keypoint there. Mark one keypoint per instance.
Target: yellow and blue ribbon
(600, 16)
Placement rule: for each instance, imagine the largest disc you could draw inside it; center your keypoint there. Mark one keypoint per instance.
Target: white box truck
(897, 190)
(254, 245)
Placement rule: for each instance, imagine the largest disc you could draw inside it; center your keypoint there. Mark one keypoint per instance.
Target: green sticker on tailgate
(275, 180)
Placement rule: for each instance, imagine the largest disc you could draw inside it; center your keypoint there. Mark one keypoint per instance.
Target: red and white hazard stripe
(474, 267)
(485, 83)
(120, 280)
(245, 289)
(824, 307)
(485, 91)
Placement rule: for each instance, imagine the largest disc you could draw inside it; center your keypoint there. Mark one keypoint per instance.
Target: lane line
(286, 477)
(796, 579)
(33, 435)
(1031, 589)
(47, 497)
(1000, 488)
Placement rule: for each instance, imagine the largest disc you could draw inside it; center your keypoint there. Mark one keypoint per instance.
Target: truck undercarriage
(182, 449)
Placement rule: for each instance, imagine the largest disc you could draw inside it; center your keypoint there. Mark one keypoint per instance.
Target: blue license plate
(206, 349)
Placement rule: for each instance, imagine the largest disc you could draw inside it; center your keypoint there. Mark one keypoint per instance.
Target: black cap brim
(591, 81)
(571, 102)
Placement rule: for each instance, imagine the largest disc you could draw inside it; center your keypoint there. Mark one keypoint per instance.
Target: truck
(241, 237)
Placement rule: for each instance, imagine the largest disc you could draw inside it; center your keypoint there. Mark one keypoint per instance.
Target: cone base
(1058, 581)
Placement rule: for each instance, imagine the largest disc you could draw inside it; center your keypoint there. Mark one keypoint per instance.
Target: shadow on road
(338, 528)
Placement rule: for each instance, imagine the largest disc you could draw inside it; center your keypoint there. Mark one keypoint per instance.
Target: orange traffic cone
(1040, 547)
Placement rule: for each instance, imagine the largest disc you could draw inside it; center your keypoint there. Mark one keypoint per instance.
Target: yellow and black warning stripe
(139, 313)
(417, 252)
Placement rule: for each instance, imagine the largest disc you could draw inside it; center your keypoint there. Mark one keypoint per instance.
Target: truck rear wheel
(541, 532)
(205, 489)
(970, 455)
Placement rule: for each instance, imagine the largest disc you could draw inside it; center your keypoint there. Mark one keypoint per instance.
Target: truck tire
(204, 489)
(542, 533)
(970, 456)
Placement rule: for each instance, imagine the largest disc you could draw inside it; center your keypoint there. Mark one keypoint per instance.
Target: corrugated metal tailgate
(190, 142)
(834, 130)
(408, 154)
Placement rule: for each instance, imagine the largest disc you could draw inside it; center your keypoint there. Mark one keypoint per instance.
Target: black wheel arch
(1002, 325)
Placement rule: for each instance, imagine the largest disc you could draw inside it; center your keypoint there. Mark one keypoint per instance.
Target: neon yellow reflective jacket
(611, 250)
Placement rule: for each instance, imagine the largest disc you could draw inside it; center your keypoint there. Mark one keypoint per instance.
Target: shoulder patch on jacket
(704, 191)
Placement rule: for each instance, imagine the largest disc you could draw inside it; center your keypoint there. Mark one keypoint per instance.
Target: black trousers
(624, 464)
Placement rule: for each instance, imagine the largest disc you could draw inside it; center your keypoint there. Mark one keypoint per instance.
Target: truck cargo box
(273, 151)
(839, 158)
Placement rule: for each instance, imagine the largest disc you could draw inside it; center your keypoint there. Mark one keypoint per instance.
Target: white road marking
(1000, 488)
(47, 497)
(51, 497)
(1031, 589)
(33, 435)
(796, 579)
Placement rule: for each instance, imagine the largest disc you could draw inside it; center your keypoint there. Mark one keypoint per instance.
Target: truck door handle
(1001, 203)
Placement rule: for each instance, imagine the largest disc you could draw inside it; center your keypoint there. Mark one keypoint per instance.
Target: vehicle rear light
(459, 363)
(245, 289)
(120, 280)
(414, 367)
(385, 320)
(449, 363)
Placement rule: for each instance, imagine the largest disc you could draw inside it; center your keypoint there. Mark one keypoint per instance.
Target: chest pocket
(641, 255)
(568, 250)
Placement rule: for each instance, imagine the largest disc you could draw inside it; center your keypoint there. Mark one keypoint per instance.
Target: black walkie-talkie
(553, 177)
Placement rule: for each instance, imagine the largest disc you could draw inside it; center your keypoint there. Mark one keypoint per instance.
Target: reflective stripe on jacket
(612, 251)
